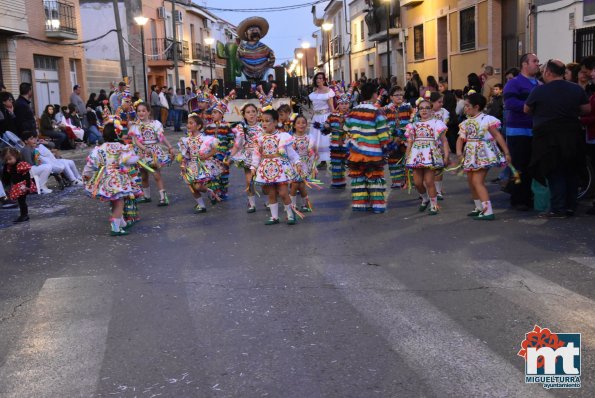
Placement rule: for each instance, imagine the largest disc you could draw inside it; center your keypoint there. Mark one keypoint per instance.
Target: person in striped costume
(398, 113)
(334, 126)
(221, 130)
(369, 138)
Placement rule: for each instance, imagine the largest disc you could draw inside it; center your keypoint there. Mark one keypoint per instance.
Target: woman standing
(323, 105)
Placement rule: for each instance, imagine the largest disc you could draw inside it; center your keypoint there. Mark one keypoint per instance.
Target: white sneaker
(77, 182)
(45, 191)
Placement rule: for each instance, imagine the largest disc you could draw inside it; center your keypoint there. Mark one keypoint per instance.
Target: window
(467, 28)
(584, 43)
(45, 63)
(361, 30)
(418, 42)
(26, 76)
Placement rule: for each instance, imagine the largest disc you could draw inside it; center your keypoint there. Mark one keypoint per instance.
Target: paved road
(341, 305)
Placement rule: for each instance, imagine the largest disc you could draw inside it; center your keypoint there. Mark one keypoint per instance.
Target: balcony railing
(336, 46)
(197, 51)
(163, 50)
(60, 19)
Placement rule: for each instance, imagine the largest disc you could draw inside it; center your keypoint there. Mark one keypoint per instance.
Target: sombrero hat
(253, 21)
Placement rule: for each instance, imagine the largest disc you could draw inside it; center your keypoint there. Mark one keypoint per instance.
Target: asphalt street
(342, 304)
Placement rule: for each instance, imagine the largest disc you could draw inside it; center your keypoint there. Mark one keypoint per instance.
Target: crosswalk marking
(451, 361)
(61, 348)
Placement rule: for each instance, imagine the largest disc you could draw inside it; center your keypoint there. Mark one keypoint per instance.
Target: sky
(287, 29)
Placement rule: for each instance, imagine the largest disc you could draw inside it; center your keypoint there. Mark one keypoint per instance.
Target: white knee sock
(478, 205)
(162, 194)
(274, 208)
(425, 198)
(487, 208)
(147, 192)
(438, 186)
(288, 211)
(200, 201)
(434, 202)
(251, 201)
(293, 200)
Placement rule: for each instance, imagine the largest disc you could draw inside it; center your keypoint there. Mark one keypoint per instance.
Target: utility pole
(176, 47)
(120, 39)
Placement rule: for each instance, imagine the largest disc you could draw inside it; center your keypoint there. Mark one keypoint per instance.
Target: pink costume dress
(150, 134)
(195, 170)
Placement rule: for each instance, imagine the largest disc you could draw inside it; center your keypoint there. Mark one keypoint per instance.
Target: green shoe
(291, 220)
(271, 221)
(423, 206)
(118, 233)
(474, 213)
(164, 201)
(306, 209)
(143, 200)
(482, 217)
(198, 209)
(439, 196)
(251, 209)
(433, 211)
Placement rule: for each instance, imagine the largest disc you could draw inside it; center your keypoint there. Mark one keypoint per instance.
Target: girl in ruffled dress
(274, 165)
(439, 113)
(147, 135)
(424, 154)
(304, 146)
(198, 166)
(477, 145)
(16, 172)
(106, 176)
(244, 143)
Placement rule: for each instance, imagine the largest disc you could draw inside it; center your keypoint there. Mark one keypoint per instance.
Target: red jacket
(589, 120)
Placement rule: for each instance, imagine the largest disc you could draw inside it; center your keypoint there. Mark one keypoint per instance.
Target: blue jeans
(175, 115)
(95, 136)
(563, 191)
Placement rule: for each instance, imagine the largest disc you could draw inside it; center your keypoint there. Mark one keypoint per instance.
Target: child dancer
(246, 135)
(146, 135)
(286, 118)
(334, 126)
(424, 155)
(106, 177)
(304, 146)
(273, 162)
(198, 166)
(439, 113)
(367, 144)
(398, 114)
(221, 130)
(479, 135)
(16, 173)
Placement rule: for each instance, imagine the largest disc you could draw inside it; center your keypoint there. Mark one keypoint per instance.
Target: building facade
(363, 50)
(565, 29)
(38, 46)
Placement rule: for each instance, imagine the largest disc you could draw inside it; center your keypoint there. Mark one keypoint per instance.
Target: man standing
(178, 106)
(115, 100)
(368, 129)
(25, 119)
(155, 102)
(519, 125)
(75, 98)
(164, 106)
(558, 140)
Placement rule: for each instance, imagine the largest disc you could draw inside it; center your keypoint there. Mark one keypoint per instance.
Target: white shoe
(45, 191)
(77, 182)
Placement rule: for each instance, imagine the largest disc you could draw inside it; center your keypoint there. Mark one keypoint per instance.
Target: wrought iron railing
(60, 16)
(162, 49)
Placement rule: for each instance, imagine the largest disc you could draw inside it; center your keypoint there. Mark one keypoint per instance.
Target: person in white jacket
(65, 166)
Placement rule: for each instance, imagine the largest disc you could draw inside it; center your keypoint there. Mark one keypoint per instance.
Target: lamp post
(141, 22)
(327, 27)
(387, 2)
(209, 42)
(306, 46)
(300, 56)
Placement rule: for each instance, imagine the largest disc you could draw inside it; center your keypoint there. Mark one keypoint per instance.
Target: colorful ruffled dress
(304, 147)
(481, 150)
(274, 159)
(107, 172)
(150, 134)
(245, 140)
(195, 170)
(425, 149)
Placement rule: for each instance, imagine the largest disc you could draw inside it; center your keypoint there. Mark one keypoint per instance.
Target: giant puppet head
(256, 58)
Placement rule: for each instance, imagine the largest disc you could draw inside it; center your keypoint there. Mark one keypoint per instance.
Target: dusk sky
(287, 28)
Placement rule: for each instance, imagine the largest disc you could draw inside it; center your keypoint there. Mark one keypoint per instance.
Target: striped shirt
(368, 131)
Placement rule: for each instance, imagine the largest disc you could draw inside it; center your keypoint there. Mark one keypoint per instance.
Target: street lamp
(306, 46)
(327, 27)
(387, 2)
(209, 42)
(141, 22)
(300, 56)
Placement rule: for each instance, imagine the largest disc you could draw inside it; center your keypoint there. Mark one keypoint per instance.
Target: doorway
(442, 50)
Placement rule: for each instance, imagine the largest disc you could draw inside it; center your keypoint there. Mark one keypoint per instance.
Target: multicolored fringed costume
(334, 126)
(225, 137)
(398, 116)
(368, 141)
(481, 150)
(150, 134)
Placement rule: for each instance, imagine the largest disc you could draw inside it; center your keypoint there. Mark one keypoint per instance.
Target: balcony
(60, 20)
(162, 49)
(197, 51)
(336, 46)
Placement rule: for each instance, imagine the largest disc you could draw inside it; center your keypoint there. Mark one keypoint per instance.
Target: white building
(336, 42)
(565, 29)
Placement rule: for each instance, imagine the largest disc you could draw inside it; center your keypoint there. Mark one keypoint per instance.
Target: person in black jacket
(7, 116)
(25, 118)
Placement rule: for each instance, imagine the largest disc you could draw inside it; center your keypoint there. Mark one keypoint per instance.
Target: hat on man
(253, 21)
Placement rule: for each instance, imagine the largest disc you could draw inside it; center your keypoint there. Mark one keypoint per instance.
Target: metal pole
(176, 45)
(388, 40)
(211, 63)
(328, 54)
(142, 41)
(307, 77)
(123, 68)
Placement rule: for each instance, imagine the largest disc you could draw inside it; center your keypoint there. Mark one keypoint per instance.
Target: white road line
(61, 348)
(451, 361)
